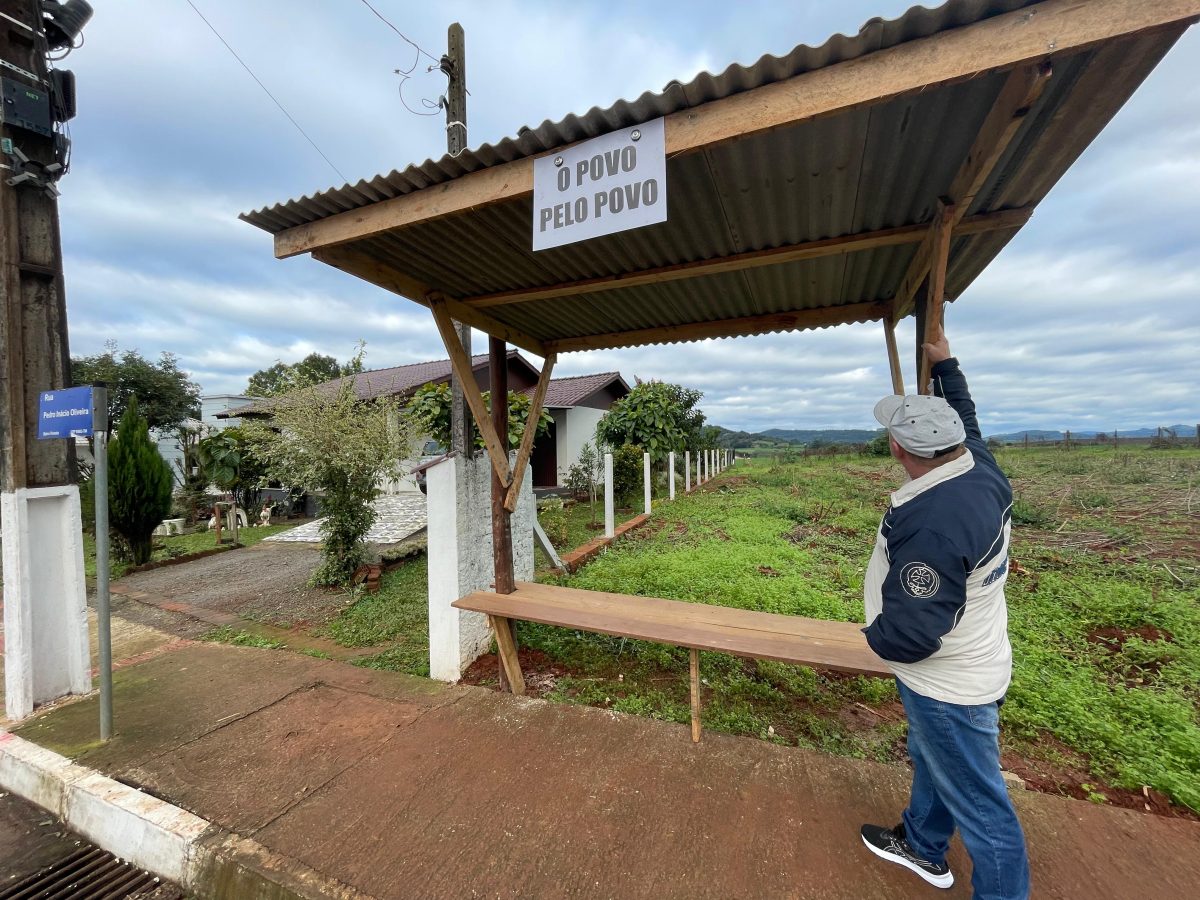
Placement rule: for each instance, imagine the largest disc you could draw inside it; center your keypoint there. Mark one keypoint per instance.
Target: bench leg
(508, 654)
(694, 666)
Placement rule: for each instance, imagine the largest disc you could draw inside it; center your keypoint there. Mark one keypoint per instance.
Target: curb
(156, 836)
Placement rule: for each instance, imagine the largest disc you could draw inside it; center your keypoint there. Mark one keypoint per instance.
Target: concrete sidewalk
(401, 787)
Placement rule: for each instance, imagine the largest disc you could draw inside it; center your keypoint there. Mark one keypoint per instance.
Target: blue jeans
(955, 753)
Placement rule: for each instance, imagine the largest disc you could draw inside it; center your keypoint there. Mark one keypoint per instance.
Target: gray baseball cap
(921, 423)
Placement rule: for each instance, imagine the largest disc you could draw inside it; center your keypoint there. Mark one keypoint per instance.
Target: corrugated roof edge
(876, 34)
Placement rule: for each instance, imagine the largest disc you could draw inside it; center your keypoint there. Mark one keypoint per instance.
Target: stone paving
(397, 517)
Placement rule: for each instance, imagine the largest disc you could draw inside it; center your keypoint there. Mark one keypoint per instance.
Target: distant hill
(782, 437)
(803, 436)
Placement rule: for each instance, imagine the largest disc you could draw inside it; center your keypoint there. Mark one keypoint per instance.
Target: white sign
(611, 183)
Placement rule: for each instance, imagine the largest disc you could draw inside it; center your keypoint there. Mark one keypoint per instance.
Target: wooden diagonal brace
(1020, 92)
(466, 375)
(531, 427)
(940, 233)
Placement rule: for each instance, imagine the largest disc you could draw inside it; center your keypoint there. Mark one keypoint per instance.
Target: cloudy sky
(1089, 319)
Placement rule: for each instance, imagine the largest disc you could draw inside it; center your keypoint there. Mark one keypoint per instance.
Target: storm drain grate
(87, 874)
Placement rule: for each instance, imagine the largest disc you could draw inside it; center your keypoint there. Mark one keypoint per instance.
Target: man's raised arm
(950, 383)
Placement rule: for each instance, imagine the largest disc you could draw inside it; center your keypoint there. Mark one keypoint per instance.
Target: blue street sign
(66, 413)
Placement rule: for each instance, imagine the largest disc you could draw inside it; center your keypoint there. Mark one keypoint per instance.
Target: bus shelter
(864, 180)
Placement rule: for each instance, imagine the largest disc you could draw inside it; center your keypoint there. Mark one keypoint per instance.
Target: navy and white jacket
(934, 588)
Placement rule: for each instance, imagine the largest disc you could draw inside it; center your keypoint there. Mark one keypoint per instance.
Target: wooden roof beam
(1029, 35)
(1020, 92)
(368, 268)
(821, 317)
(850, 243)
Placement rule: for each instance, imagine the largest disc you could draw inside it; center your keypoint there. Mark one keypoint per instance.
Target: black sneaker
(892, 845)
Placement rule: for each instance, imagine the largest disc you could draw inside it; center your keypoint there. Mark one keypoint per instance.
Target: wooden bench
(698, 626)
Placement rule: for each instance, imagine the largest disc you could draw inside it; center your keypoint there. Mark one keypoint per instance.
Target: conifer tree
(139, 484)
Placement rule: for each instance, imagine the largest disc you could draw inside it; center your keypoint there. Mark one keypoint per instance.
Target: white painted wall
(45, 605)
(460, 557)
(576, 427)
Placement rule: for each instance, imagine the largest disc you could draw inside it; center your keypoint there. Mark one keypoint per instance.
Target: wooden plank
(821, 317)
(527, 439)
(1058, 27)
(506, 647)
(362, 265)
(502, 551)
(1020, 92)
(466, 375)
(850, 243)
(753, 634)
(932, 320)
(889, 338)
(657, 609)
(694, 685)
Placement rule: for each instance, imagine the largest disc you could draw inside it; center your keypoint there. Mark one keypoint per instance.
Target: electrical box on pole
(45, 655)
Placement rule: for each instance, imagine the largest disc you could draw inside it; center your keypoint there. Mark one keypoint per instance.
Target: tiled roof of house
(562, 392)
(403, 380)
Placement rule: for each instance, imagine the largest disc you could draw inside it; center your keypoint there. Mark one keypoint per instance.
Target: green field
(1104, 617)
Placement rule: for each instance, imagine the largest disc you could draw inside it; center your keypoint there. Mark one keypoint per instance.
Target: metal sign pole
(103, 623)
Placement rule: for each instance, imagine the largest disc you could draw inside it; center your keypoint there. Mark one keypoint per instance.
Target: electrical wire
(436, 60)
(406, 74)
(266, 91)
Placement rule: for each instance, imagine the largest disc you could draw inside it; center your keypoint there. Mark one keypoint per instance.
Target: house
(575, 403)
(212, 418)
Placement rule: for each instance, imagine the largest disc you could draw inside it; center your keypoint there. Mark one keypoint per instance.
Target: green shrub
(627, 474)
(139, 484)
(1026, 513)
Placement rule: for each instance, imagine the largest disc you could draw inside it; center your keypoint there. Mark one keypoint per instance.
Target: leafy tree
(430, 413)
(165, 394)
(657, 416)
(193, 482)
(879, 445)
(314, 369)
(627, 473)
(139, 484)
(229, 462)
(341, 447)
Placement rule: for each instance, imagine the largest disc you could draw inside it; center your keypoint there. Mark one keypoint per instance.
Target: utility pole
(454, 65)
(46, 654)
(33, 326)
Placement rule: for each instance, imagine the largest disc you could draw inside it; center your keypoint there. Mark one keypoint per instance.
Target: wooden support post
(527, 439)
(506, 646)
(461, 364)
(502, 555)
(943, 227)
(646, 480)
(610, 516)
(694, 682)
(671, 475)
(889, 337)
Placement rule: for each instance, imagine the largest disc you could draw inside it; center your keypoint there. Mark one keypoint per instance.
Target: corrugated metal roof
(876, 34)
(870, 167)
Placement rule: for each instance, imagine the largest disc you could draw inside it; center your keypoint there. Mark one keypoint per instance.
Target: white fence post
(610, 518)
(646, 479)
(671, 475)
(687, 470)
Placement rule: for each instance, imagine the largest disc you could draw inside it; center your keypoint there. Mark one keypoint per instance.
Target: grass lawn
(575, 525)
(1105, 623)
(175, 545)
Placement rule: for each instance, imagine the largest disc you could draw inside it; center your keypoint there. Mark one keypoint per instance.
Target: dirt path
(267, 582)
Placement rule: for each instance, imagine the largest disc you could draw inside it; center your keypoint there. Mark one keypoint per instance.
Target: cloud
(1088, 318)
